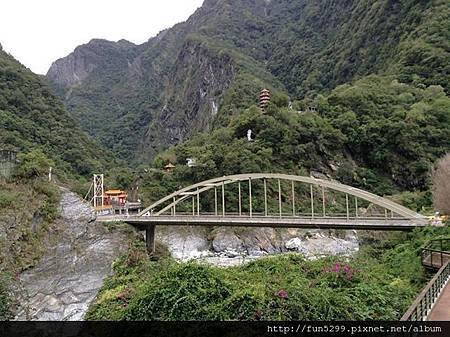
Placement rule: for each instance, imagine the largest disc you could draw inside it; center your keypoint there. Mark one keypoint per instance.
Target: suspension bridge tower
(99, 191)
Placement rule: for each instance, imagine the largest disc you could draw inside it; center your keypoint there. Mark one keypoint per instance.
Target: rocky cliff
(71, 272)
(191, 98)
(98, 58)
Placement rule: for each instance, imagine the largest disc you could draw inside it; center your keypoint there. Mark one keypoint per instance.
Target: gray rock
(260, 241)
(227, 241)
(293, 244)
(322, 245)
(233, 246)
(69, 275)
(184, 243)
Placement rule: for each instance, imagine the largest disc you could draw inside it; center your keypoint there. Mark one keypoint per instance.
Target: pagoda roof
(115, 192)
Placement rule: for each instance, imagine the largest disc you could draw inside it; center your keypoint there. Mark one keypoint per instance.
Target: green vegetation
(33, 119)
(377, 134)
(390, 127)
(5, 299)
(334, 44)
(359, 95)
(33, 164)
(34, 122)
(28, 209)
(379, 283)
(229, 50)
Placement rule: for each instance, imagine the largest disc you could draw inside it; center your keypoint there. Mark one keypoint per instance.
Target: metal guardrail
(286, 215)
(432, 258)
(423, 304)
(435, 255)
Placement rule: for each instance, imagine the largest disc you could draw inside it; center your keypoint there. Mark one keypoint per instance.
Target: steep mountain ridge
(160, 97)
(94, 56)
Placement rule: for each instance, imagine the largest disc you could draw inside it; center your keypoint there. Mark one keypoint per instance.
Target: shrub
(379, 283)
(7, 198)
(33, 164)
(183, 292)
(5, 301)
(49, 210)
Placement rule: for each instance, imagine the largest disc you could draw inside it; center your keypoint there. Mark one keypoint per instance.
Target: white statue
(191, 162)
(249, 135)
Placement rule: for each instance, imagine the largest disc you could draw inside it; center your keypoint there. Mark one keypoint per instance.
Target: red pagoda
(264, 98)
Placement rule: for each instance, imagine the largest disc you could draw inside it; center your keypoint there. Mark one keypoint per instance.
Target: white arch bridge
(273, 200)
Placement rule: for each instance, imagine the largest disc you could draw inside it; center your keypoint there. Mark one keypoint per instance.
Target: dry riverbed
(67, 278)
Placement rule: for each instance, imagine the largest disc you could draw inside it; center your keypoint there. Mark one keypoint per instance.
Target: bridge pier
(150, 239)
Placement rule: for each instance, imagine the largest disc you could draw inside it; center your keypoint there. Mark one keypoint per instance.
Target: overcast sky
(38, 32)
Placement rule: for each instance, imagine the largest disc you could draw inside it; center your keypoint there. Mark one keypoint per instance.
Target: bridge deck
(143, 222)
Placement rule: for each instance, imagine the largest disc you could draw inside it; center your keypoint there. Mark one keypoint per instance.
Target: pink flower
(282, 294)
(337, 267)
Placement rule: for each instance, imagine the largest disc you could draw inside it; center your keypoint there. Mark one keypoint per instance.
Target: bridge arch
(159, 207)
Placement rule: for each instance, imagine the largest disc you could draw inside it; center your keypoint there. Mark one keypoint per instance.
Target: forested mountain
(359, 94)
(140, 99)
(34, 122)
(33, 119)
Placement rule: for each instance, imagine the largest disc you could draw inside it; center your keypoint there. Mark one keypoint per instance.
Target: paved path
(69, 275)
(441, 310)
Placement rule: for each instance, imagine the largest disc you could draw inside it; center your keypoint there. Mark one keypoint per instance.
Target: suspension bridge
(272, 200)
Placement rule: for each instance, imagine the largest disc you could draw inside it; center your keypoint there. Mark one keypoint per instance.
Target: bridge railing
(423, 304)
(284, 215)
(436, 253)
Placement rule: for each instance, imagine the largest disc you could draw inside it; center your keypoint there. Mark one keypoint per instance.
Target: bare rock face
(263, 241)
(68, 277)
(227, 241)
(320, 245)
(227, 246)
(74, 69)
(184, 243)
(191, 97)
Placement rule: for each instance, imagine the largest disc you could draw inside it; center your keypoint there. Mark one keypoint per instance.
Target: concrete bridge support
(150, 239)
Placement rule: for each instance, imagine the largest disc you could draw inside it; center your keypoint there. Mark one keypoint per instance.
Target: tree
(441, 185)
(33, 164)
